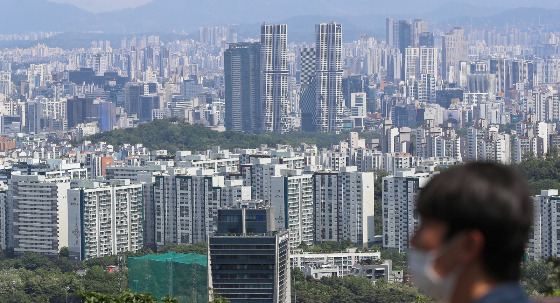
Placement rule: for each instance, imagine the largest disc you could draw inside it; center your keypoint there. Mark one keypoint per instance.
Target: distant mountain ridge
(357, 16)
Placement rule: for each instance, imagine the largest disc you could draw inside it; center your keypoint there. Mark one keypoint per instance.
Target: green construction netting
(181, 276)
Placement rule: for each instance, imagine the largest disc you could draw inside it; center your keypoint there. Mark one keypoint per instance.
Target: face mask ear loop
(435, 255)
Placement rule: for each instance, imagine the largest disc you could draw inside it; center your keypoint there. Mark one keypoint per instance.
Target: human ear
(471, 246)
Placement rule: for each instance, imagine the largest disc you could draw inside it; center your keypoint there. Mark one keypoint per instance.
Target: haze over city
(278, 151)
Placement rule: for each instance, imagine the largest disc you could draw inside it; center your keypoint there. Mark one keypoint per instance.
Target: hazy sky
(97, 6)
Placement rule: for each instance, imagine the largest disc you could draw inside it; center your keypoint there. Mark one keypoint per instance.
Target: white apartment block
(420, 61)
(544, 241)
(185, 206)
(233, 192)
(104, 219)
(292, 198)
(531, 137)
(411, 58)
(487, 144)
(399, 206)
(447, 147)
(392, 162)
(261, 176)
(425, 137)
(40, 214)
(185, 203)
(344, 206)
(521, 146)
(366, 159)
(358, 105)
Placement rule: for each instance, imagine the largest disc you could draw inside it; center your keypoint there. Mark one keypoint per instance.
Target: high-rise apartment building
(392, 32)
(420, 61)
(427, 88)
(104, 220)
(454, 50)
(544, 242)
(401, 34)
(6, 86)
(329, 102)
(40, 214)
(344, 206)
(292, 198)
(186, 205)
(242, 83)
(275, 107)
(399, 197)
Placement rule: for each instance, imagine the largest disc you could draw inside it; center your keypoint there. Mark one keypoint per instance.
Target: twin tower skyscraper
(257, 77)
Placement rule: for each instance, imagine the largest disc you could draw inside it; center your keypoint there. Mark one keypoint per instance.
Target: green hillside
(174, 135)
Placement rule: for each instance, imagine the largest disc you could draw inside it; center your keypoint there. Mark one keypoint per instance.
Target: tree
(538, 277)
(64, 252)
(97, 279)
(297, 274)
(303, 246)
(399, 259)
(126, 297)
(33, 261)
(196, 248)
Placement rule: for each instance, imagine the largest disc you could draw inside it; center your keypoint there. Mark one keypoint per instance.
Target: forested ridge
(542, 173)
(174, 134)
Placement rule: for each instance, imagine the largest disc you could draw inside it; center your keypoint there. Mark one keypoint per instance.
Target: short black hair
(489, 197)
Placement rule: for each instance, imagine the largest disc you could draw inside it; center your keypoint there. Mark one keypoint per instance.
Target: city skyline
(257, 145)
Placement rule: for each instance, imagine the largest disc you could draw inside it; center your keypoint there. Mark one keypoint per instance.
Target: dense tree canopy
(350, 289)
(174, 135)
(542, 172)
(36, 278)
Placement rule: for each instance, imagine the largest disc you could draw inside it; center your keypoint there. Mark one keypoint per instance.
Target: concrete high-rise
(33, 116)
(132, 92)
(308, 84)
(292, 198)
(40, 214)
(392, 32)
(454, 50)
(275, 107)
(329, 102)
(242, 82)
(401, 34)
(186, 203)
(544, 242)
(399, 195)
(307, 65)
(344, 206)
(249, 261)
(104, 220)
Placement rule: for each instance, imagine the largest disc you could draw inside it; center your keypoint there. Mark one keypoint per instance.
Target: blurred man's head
(475, 221)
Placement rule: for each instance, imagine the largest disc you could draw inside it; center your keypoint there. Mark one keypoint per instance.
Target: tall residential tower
(454, 50)
(275, 107)
(329, 103)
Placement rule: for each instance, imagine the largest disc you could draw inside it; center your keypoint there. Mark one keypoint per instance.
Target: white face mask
(421, 264)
